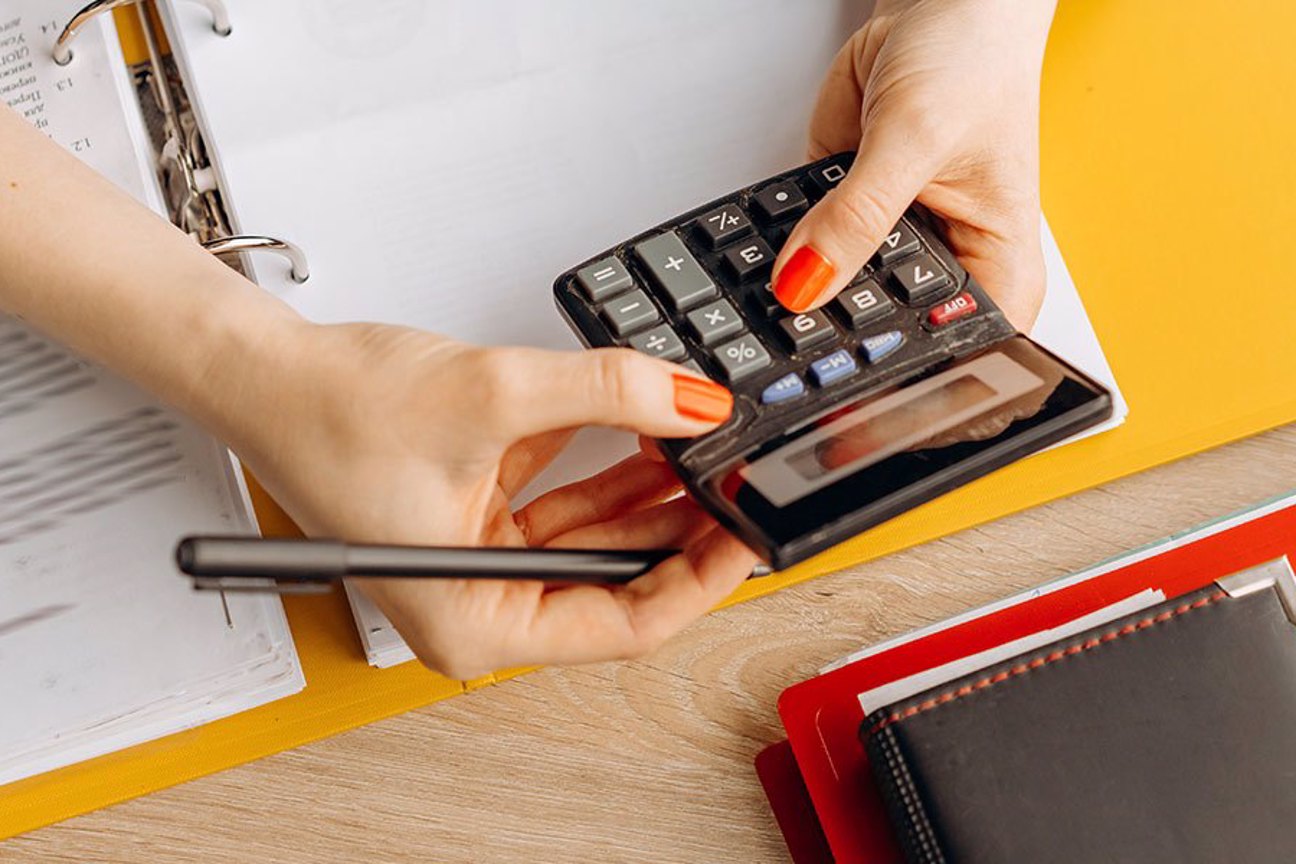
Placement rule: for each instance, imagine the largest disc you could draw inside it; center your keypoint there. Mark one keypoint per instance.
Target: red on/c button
(952, 310)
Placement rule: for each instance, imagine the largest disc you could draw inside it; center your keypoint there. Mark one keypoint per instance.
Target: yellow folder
(1169, 182)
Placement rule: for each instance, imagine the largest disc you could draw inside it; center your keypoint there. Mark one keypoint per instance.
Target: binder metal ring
(63, 45)
(254, 243)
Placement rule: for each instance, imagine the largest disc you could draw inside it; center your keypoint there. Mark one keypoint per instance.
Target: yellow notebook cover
(1168, 182)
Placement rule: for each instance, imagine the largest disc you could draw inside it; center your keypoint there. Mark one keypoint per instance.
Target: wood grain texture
(647, 761)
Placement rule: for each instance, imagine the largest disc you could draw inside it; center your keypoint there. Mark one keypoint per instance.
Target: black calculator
(910, 383)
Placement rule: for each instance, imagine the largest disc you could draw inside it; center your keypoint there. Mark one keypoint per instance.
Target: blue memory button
(874, 348)
(788, 387)
(834, 367)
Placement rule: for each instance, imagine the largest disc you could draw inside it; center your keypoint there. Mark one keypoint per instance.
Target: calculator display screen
(894, 423)
(872, 459)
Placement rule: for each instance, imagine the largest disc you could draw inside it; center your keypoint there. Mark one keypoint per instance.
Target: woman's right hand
(941, 100)
(390, 435)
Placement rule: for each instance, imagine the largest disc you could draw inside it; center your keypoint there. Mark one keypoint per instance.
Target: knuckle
(648, 638)
(861, 214)
(612, 377)
(448, 662)
(495, 372)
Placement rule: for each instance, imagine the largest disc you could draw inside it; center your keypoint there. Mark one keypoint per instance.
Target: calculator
(910, 383)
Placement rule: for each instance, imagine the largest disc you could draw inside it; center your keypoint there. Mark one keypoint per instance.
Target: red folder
(825, 787)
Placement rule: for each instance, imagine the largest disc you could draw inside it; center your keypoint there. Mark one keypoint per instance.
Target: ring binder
(256, 243)
(63, 45)
(190, 183)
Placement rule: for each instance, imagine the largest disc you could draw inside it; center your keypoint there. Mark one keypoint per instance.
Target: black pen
(242, 563)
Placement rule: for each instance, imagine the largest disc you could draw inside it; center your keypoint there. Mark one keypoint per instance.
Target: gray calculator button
(742, 357)
(715, 321)
(604, 279)
(861, 303)
(692, 366)
(748, 260)
(629, 312)
(919, 280)
(722, 225)
(900, 242)
(659, 342)
(803, 332)
(675, 271)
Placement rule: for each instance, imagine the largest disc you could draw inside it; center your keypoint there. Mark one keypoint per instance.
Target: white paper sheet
(97, 482)
(441, 162)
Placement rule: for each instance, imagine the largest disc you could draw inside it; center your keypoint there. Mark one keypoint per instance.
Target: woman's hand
(941, 100)
(385, 434)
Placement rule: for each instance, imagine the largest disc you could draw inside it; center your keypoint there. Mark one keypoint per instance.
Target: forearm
(87, 265)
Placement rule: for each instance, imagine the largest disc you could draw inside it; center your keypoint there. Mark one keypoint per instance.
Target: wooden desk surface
(648, 761)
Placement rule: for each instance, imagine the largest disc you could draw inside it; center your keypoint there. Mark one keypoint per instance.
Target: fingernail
(803, 278)
(698, 399)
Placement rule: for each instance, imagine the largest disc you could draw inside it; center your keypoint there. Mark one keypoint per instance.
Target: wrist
(241, 343)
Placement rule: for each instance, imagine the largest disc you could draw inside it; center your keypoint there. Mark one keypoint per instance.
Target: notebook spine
(190, 185)
(904, 806)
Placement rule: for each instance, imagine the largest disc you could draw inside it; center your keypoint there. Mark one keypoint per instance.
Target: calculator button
(826, 177)
(788, 387)
(692, 366)
(604, 279)
(742, 357)
(659, 342)
(715, 321)
(834, 367)
(675, 271)
(806, 331)
(723, 225)
(874, 348)
(862, 303)
(769, 303)
(629, 312)
(780, 201)
(952, 310)
(900, 243)
(749, 260)
(919, 280)
(777, 236)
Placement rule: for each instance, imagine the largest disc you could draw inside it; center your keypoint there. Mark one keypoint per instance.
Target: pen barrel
(554, 565)
(218, 557)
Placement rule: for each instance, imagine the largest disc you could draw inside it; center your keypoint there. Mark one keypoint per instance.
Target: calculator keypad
(697, 291)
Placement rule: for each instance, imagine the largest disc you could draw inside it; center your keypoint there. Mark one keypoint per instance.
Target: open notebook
(441, 162)
(102, 645)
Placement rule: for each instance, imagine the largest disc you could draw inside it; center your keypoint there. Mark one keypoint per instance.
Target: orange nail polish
(803, 278)
(698, 399)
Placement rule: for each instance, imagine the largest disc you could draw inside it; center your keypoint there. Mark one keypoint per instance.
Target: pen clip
(237, 585)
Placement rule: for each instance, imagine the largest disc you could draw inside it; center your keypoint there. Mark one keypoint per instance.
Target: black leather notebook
(1167, 735)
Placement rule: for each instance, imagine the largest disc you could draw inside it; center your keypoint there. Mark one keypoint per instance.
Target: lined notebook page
(102, 644)
(442, 162)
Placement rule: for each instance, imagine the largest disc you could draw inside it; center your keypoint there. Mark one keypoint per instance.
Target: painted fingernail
(803, 278)
(698, 399)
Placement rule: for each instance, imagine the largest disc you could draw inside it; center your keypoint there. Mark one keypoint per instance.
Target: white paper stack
(102, 643)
